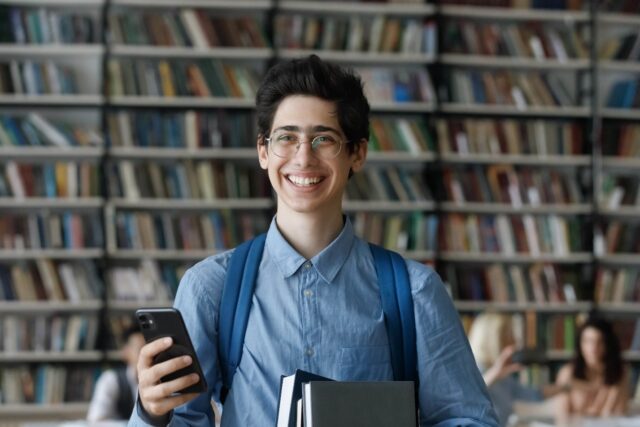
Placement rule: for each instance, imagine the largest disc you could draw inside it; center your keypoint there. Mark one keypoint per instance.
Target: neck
(309, 234)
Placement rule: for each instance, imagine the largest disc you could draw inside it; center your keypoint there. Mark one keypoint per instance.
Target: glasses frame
(270, 140)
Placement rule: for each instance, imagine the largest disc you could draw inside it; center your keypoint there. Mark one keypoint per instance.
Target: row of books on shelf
(41, 230)
(47, 384)
(388, 184)
(408, 84)
(37, 78)
(30, 25)
(625, 94)
(355, 33)
(539, 283)
(511, 235)
(48, 333)
(620, 190)
(522, 4)
(170, 78)
(502, 87)
(35, 130)
(541, 41)
(621, 48)
(617, 285)
(400, 232)
(46, 280)
(186, 27)
(217, 230)
(54, 180)
(617, 237)
(410, 134)
(490, 136)
(512, 185)
(621, 140)
(188, 129)
(206, 180)
(621, 6)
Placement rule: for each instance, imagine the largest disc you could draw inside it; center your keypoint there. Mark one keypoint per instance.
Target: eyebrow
(314, 129)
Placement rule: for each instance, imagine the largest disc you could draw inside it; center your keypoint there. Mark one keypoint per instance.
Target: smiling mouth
(303, 181)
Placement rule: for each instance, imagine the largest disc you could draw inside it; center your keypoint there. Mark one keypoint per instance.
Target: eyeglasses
(286, 144)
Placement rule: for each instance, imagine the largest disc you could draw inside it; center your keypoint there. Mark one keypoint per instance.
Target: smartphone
(529, 356)
(167, 322)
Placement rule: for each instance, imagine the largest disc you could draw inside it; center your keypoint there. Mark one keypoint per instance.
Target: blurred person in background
(116, 389)
(598, 362)
(493, 343)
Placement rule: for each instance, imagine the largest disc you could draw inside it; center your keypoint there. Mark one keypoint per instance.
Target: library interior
(504, 153)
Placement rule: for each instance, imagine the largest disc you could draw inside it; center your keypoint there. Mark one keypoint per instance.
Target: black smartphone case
(168, 322)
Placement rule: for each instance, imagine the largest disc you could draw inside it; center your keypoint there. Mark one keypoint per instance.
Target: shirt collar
(328, 262)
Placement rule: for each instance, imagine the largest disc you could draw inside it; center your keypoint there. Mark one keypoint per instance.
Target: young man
(116, 389)
(316, 304)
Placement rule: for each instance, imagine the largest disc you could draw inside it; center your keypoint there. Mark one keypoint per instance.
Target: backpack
(395, 292)
(125, 402)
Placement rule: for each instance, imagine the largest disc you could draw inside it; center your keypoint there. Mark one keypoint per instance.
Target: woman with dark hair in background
(597, 360)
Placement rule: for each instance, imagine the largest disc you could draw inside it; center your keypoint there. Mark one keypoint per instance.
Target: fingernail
(186, 359)
(194, 377)
(167, 340)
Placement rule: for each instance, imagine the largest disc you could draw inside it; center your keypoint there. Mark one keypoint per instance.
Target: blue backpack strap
(397, 304)
(235, 306)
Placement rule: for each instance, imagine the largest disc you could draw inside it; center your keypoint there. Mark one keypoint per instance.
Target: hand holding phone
(158, 323)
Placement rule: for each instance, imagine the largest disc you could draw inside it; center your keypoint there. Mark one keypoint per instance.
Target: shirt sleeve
(451, 389)
(197, 299)
(105, 395)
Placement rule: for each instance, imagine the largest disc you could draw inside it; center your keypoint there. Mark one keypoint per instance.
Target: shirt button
(310, 351)
(307, 265)
(308, 293)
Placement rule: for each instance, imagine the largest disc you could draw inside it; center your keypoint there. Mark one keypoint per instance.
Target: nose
(304, 152)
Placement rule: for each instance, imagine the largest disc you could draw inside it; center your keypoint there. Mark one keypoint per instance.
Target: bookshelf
(179, 180)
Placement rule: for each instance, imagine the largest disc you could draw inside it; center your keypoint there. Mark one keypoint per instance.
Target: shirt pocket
(365, 363)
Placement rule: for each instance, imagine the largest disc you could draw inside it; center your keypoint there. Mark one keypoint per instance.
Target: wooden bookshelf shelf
(399, 157)
(618, 19)
(484, 258)
(190, 52)
(45, 307)
(377, 58)
(180, 102)
(388, 206)
(335, 7)
(611, 162)
(620, 113)
(483, 61)
(629, 212)
(515, 159)
(403, 107)
(511, 110)
(50, 356)
(52, 100)
(130, 306)
(512, 14)
(51, 50)
(418, 255)
(73, 410)
(39, 154)
(59, 254)
(156, 153)
(257, 5)
(620, 259)
(503, 208)
(514, 307)
(619, 307)
(39, 203)
(161, 255)
(56, 3)
(191, 204)
(620, 66)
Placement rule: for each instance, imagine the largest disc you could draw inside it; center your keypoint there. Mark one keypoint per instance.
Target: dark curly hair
(613, 365)
(315, 77)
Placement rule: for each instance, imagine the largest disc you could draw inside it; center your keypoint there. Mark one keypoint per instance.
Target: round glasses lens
(287, 144)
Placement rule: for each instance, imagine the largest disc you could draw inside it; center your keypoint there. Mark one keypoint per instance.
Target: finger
(166, 390)
(165, 405)
(153, 374)
(150, 350)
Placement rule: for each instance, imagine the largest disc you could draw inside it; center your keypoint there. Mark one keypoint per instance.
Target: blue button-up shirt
(324, 315)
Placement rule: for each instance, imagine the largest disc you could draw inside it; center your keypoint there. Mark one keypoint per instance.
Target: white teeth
(299, 180)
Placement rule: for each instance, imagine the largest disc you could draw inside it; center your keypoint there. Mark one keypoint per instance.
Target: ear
(263, 153)
(359, 156)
